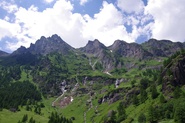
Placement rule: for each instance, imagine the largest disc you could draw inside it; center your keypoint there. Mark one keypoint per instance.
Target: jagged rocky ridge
(162, 48)
(45, 46)
(110, 57)
(62, 71)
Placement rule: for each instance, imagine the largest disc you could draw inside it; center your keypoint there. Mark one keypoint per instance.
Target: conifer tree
(121, 112)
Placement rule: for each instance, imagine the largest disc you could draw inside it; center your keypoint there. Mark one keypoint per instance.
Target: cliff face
(101, 52)
(124, 49)
(162, 48)
(179, 72)
(109, 57)
(94, 47)
(149, 49)
(45, 46)
(174, 74)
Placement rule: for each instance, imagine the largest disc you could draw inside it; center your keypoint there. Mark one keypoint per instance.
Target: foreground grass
(7, 116)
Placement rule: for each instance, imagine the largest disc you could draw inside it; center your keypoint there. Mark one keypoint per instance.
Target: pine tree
(177, 92)
(154, 92)
(32, 120)
(143, 95)
(142, 118)
(121, 112)
(162, 99)
(179, 114)
(25, 118)
(152, 114)
(113, 117)
(135, 100)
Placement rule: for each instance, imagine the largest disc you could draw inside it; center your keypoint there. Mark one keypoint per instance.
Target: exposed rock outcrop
(162, 48)
(123, 49)
(179, 72)
(174, 74)
(48, 45)
(44, 46)
(106, 58)
(99, 50)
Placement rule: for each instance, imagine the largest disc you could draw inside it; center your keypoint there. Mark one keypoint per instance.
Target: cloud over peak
(125, 20)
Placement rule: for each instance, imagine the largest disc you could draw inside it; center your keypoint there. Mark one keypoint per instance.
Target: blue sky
(23, 22)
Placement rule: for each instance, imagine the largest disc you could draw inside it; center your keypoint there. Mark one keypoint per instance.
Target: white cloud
(48, 1)
(130, 6)
(107, 26)
(33, 24)
(9, 7)
(28, 25)
(169, 16)
(8, 29)
(6, 18)
(74, 28)
(83, 2)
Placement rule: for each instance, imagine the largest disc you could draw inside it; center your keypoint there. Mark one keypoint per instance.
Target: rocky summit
(119, 48)
(109, 57)
(44, 46)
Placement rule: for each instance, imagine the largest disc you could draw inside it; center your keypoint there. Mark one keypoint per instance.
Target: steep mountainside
(52, 82)
(174, 72)
(113, 57)
(2, 53)
(162, 48)
(48, 45)
(101, 52)
(94, 47)
(123, 49)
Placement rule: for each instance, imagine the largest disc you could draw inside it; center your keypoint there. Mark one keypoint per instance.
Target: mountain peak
(93, 47)
(43, 38)
(56, 38)
(117, 44)
(162, 47)
(95, 40)
(20, 50)
(51, 44)
(45, 46)
(122, 48)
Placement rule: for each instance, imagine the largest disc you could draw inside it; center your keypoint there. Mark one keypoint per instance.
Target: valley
(52, 82)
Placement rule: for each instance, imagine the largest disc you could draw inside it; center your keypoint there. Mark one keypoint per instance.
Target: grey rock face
(162, 48)
(100, 51)
(45, 46)
(109, 57)
(20, 50)
(123, 49)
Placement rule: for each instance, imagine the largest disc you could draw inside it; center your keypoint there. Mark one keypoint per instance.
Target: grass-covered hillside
(77, 87)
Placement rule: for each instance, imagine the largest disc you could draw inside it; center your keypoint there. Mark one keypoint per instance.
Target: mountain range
(150, 48)
(110, 57)
(123, 83)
